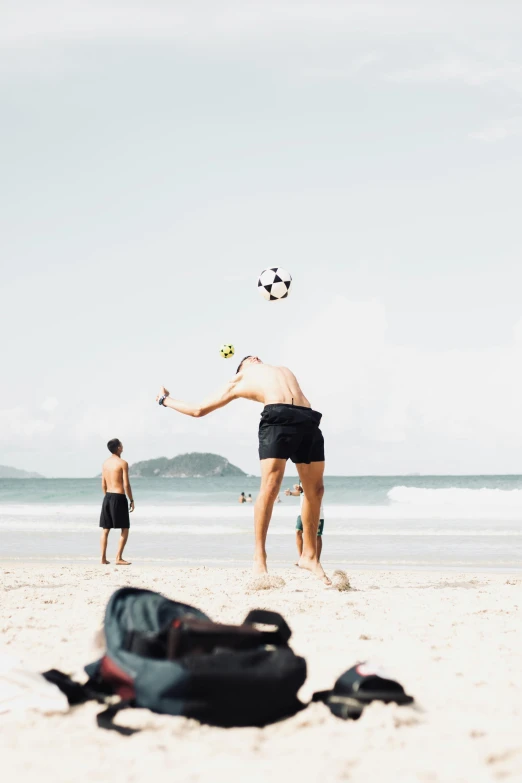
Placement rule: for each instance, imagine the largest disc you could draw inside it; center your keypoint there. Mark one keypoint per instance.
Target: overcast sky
(156, 155)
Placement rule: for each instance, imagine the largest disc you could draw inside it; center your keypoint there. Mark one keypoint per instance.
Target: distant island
(193, 465)
(13, 473)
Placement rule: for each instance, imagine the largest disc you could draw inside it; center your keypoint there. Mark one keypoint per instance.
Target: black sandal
(358, 687)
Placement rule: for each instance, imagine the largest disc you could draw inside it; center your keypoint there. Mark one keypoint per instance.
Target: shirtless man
(289, 429)
(116, 488)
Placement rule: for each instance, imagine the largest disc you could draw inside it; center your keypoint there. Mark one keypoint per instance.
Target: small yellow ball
(227, 350)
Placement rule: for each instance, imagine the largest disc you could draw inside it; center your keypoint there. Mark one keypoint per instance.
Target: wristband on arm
(162, 399)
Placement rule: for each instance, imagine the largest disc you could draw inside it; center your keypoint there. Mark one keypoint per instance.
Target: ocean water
(464, 522)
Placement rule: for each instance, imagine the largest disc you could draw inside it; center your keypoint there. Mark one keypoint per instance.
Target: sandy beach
(454, 640)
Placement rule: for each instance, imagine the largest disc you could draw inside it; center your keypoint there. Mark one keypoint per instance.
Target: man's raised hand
(162, 393)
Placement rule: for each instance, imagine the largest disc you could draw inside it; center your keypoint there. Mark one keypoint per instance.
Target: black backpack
(172, 659)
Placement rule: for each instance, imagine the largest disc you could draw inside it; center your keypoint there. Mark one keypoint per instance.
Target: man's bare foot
(259, 567)
(315, 567)
(122, 562)
(105, 561)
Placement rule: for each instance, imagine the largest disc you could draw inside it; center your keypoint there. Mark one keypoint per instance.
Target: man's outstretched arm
(218, 400)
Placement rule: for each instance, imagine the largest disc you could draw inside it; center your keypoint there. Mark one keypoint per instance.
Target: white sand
(453, 640)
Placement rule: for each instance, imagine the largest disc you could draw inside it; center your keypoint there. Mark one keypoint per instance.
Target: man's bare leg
(299, 544)
(312, 481)
(272, 472)
(103, 541)
(121, 546)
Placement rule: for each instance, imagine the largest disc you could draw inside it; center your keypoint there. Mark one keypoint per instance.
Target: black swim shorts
(290, 432)
(115, 511)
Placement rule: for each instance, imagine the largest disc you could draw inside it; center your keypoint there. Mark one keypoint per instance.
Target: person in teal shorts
(297, 491)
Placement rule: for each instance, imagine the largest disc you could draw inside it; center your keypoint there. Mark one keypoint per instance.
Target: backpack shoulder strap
(76, 692)
(264, 617)
(105, 719)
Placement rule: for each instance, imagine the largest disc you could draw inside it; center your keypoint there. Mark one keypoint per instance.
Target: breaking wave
(458, 498)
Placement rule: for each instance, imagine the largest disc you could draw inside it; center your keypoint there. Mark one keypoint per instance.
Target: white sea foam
(172, 511)
(379, 529)
(34, 525)
(404, 504)
(456, 497)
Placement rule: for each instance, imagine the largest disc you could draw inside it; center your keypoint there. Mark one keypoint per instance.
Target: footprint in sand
(265, 582)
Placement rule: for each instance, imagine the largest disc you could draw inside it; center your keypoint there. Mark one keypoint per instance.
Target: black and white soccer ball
(227, 350)
(274, 283)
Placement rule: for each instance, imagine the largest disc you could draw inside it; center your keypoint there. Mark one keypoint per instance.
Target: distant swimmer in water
(289, 429)
(115, 512)
(242, 498)
(249, 499)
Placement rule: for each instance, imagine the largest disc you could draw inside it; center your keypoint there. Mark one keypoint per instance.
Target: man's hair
(113, 445)
(243, 360)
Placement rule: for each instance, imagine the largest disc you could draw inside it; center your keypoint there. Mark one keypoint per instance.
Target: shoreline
(277, 566)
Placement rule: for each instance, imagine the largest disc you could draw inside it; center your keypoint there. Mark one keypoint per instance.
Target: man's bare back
(269, 385)
(113, 472)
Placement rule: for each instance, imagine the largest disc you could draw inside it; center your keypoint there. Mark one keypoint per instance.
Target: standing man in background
(115, 512)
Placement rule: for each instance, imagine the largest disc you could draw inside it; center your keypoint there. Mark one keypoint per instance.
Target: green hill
(193, 465)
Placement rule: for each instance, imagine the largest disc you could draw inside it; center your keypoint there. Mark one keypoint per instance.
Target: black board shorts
(115, 511)
(291, 432)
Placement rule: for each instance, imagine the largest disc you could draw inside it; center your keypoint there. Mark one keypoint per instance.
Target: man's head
(248, 360)
(298, 487)
(115, 446)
